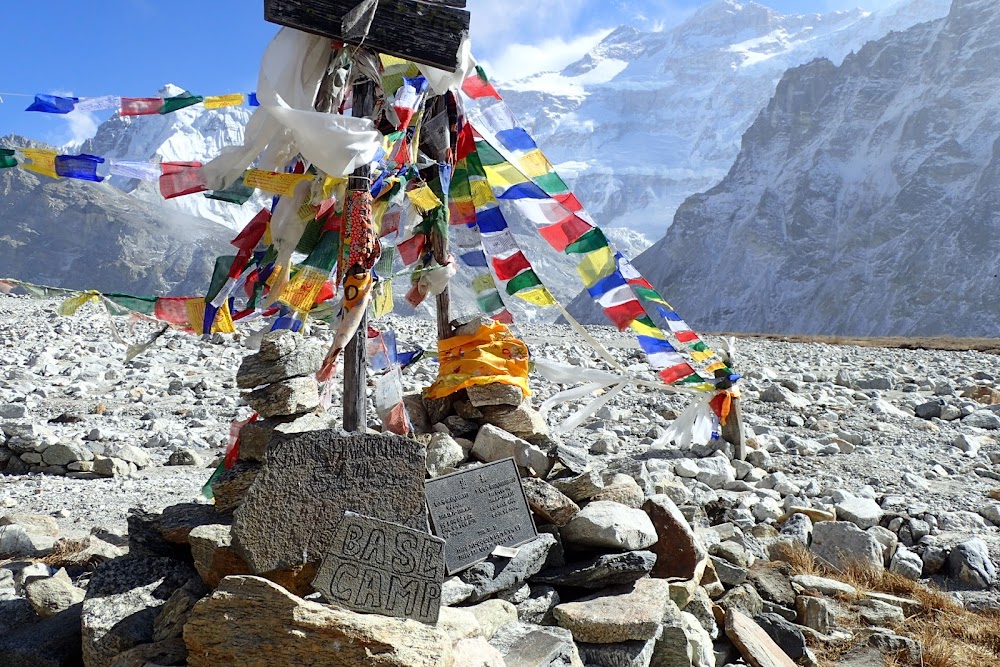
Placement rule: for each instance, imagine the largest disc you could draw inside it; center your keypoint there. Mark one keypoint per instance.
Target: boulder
(756, 647)
(494, 444)
(493, 615)
(214, 555)
(53, 595)
(288, 397)
(495, 393)
(607, 524)
(841, 542)
(971, 564)
(497, 573)
(177, 521)
(53, 642)
(524, 645)
(230, 488)
(477, 652)
(277, 361)
(443, 454)
(784, 633)
(601, 571)
(548, 503)
(123, 600)
(522, 420)
(257, 436)
(862, 512)
(619, 614)
(678, 552)
(262, 620)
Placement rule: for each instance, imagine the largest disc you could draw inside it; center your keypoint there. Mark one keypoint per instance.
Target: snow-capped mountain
(648, 118)
(865, 200)
(194, 134)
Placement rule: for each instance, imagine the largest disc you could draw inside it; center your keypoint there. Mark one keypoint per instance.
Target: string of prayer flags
(139, 106)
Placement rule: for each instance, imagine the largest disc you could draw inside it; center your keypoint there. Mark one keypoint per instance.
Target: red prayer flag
(181, 178)
(675, 373)
(504, 317)
(624, 314)
(563, 234)
(686, 336)
(477, 87)
(511, 266)
(466, 142)
(140, 106)
(411, 249)
(172, 310)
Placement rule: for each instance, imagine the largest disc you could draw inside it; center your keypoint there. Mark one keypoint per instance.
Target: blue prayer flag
(53, 104)
(491, 220)
(516, 139)
(83, 167)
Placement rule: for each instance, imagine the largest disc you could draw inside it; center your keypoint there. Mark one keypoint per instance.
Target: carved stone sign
(379, 567)
(291, 511)
(477, 510)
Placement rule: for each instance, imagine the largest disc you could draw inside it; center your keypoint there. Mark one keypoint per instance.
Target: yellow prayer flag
(221, 101)
(382, 303)
(301, 291)
(504, 175)
(274, 182)
(718, 365)
(41, 161)
(538, 296)
(74, 303)
(596, 265)
(702, 356)
(424, 198)
(646, 330)
(482, 194)
(535, 164)
(379, 207)
(331, 186)
(483, 283)
(196, 317)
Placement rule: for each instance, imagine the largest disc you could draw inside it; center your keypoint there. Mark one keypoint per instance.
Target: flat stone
(548, 503)
(177, 521)
(263, 621)
(610, 525)
(280, 362)
(824, 586)
(678, 552)
(842, 542)
(167, 652)
(601, 571)
(213, 553)
(862, 512)
(786, 635)
(621, 654)
(256, 436)
(581, 487)
(477, 652)
(498, 573)
(756, 647)
(525, 645)
(291, 510)
(620, 614)
(288, 397)
(492, 615)
(876, 613)
(123, 600)
(773, 582)
(169, 623)
(496, 393)
(621, 489)
(379, 567)
(729, 574)
(494, 444)
(523, 420)
(106, 466)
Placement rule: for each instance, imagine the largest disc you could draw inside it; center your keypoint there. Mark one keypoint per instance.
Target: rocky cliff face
(864, 199)
(92, 236)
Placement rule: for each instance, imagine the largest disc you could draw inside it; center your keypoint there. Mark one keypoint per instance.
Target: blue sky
(213, 47)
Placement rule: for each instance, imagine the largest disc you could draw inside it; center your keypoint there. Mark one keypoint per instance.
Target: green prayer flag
(522, 281)
(589, 242)
(177, 102)
(310, 236)
(488, 156)
(552, 184)
(7, 159)
(490, 302)
(137, 304)
(237, 193)
(219, 275)
(324, 253)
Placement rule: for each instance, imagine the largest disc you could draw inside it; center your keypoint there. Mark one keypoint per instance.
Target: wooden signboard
(424, 31)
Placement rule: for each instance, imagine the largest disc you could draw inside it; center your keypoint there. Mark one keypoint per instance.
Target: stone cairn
(317, 551)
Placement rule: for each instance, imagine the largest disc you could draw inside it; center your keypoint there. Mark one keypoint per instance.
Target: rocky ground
(899, 446)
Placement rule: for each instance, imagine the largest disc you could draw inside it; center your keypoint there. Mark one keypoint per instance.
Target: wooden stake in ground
(734, 433)
(355, 362)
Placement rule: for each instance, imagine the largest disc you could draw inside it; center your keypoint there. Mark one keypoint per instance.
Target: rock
(213, 553)
(16, 541)
(146, 539)
(495, 393)
(929, 410)
(443, 454)
(778, 394)
(280, 362)
(185, 456)
(493, 615)
(537, 608)
(841, 542)
(715, 471)
(621, 654)
(54, 642)
(477, 652)
(257, 436)
(497, 574)
(786, 635)
(231, 487)
(621, 489)
(906, 563)
(984, 419)
(169, 623)
(15, 613)
(729, 574)
(123, 599)
(291, 510)
(610, 525)
(887, 643)
(582, 487)
(970, 563)
(263, 621)
(678, 552)
(459, 623)
(53, 595)
(455, 591)
(523, 421)
(64, 454)
(823, 586)
(288, 397)
(744, 598)
(601, 571)
(166, 652)
(177, 521)
(756, 647)
(798, 528)
(111, 467)
(524, 645)
(494, 444)
(773, 582)
(548, 503)
(682, 641)
(617, 614)
(129, 454)
(879, 614)
(862, 512)
(816, 613)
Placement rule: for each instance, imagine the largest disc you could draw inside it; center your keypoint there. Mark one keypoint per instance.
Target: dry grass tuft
(64, 552)
(949, 635)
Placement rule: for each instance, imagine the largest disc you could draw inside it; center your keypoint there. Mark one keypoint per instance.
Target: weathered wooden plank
(425, 32)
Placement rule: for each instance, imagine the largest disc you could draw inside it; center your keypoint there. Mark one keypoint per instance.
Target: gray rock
(523, 421)
(296, 356)
(906, 563)
(443, 453)
(537, 607)
(983, 419)
(63, 454)
(601, 571)
(970, 563)
(778, 394)
(611, 525)
(548, 503)
(496, 393)
(288, 397)
(256, 436)
(715, 471)
(494, 444)
(730, 575)
(130, 454)
(621, 654)
(53, 595)
(862, 512)
(123, 600)
(111, 467)
(786, 635)
(54, 642)
(16, 541)
(185, 457)
(524, 645)
(840, 542)
(620, 614)
(744, 598)
(497, 574)
(15, 613)
(798, 528)
(929, 410)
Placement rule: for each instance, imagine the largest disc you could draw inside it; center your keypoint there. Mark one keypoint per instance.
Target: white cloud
(550, 55)
(82, 126)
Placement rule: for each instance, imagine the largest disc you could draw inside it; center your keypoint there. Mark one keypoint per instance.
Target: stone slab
(477, 510)
(379, 567)
(754, 644)
(292, 509)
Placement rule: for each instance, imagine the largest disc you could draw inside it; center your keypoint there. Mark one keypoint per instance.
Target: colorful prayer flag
(539, 296)
(509, 267)
(477, 85)
(41, 161)
(7, 158)
(274, 182)
(83, 167)
(53, 104)
(143, 171)
(181, 178)
(408, 98)
(223, 101)
(141, 106)
(98, 103)
(178, 102)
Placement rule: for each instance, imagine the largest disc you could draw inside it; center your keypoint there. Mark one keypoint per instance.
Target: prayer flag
(498, 244)
(408, 98)
(41, 161)
(7, 159)
(141, 106)
(83, 167)
(274, 182)
(598, 264)
(483, 283)
(252, 100)
(223, 101)
(509, 267)
(523, 281)
(589, 242)
(490, 302)
(491, 220)
(237, 193)
(53, 104)
(411, 249)
(477, 85)
(562, 234)
(476, 259)
(98, 103)
(424, 198)
(181, 178)
(516, 140)
(177, 102)
(539, 296)
(676, 373)
(625, 313)
(143, 171)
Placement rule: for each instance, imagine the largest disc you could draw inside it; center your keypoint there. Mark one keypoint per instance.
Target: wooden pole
(355, 362)
(734, 433)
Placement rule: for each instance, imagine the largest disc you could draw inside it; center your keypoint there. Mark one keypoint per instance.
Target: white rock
(862, 512)
(906, 563)
(612, 525)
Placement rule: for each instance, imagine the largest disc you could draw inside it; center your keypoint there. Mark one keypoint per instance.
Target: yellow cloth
(42, 161)
(196, 317)
(382, 302)
(274, 182)
(596, 265)
(539, 296)
(74, 303)
(482, 194)
(535, 164)
(301, 292)
(483, 282)
(490, 355)
(221, 101)
(424, 198)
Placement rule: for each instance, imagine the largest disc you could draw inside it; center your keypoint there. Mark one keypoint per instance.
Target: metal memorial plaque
(378, 567)
(477, 510)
